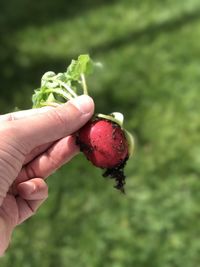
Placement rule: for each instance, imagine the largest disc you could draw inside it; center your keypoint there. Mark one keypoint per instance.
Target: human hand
(33, 144)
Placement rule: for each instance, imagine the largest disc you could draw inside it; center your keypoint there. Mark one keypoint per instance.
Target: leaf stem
(50, 104)
(66, 86)
(60, 92)
(85, 90)
(68, 89)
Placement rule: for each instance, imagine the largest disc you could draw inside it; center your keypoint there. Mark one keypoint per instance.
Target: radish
(107, 145)
(104, 143)
(103, 140)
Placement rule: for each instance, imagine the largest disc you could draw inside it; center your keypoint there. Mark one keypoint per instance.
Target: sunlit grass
(98, 27)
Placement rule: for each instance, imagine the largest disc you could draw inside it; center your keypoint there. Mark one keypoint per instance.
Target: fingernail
(83, 103)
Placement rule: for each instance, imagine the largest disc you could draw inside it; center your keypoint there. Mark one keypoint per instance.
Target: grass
(150, 54)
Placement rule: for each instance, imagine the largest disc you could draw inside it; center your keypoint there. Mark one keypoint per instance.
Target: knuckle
(10, 117)
(57, 115)
(30, 171)
(54, 163)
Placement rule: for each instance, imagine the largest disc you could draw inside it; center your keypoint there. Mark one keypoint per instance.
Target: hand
(33, 144)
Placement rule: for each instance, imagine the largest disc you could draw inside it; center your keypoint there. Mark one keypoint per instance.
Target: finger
(23, 114)
(36, 151)
(34, 131)
(27, 208)
(31, 195)
(57, 155)
(34, 189)
(45, 164)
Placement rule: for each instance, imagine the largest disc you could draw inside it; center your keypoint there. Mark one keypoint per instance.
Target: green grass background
(150, 50)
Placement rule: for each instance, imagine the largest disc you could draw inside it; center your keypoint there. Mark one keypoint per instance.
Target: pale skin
(33, 145)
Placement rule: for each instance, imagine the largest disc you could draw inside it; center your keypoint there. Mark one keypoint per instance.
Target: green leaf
(38, 97)
(63, 86)
(83, 65)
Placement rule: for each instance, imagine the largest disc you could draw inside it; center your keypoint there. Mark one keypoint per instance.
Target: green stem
(50, 104)
(85, 90)
(67, 88)
(60, 92)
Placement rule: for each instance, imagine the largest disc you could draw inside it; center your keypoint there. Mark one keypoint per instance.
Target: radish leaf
(58, 88)
(83, 65)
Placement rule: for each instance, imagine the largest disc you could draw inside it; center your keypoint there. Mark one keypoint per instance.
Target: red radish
(104, 143)
(107, 145)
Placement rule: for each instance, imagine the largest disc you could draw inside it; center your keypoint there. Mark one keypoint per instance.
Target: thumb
(52, 125)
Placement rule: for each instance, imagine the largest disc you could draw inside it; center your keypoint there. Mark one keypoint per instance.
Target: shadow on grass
(15, 15)
(14, 76)
(150, 32)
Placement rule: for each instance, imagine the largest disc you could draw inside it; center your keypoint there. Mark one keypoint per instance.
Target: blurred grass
(150, 54)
